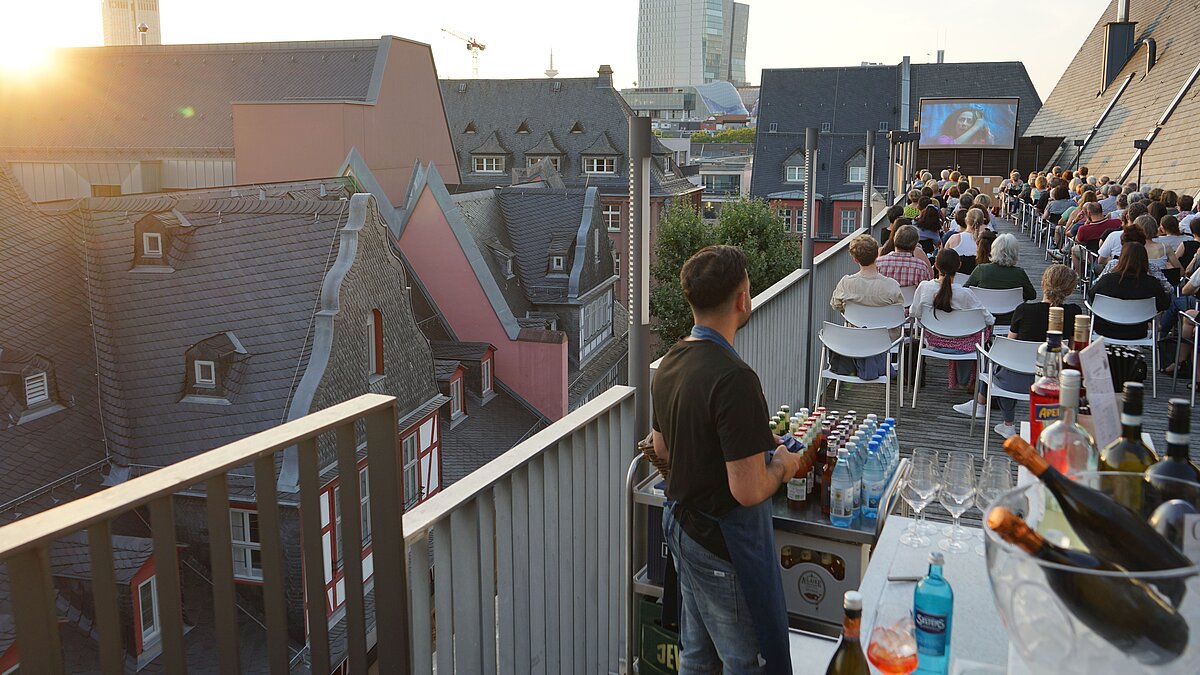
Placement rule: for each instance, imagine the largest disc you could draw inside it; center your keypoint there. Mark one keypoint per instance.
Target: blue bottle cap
(873, 446)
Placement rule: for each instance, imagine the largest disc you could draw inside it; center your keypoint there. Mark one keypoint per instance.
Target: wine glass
(918, 489)
(893, 647)
(995, 480)
(957, 495)
(924, 527)
(968, 460)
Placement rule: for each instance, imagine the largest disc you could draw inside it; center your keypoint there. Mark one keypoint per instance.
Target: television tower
(551, 72)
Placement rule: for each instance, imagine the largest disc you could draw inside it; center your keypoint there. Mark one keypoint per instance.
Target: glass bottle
(849, 658)
(933, 613)
(1128, 452)
(1044, 392)
(1055, 323)
(1177, 463)
(1067, 446)
(1072, 360)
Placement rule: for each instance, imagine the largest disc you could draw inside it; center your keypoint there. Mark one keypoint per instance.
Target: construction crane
(475, 46)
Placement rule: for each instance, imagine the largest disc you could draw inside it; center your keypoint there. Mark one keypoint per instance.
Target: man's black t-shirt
(709, 407)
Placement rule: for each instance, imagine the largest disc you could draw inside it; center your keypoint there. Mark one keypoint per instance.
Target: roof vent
(470, 128)
(524, 128)
(577, 128)
(1151, 53)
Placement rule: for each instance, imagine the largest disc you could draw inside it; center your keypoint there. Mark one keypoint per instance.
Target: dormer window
(470, 127)
(37, 389)
(152, 245)
(485, 376)
(456, 398)
(795, 174)
(577, 128)
(600, 165)
(206, 373)
(532, 160)
(524, 128)
(557, 263)
(487, 164)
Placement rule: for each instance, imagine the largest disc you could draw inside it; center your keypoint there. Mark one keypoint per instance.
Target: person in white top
(942, 295)
(966, 241)
(1111, 246)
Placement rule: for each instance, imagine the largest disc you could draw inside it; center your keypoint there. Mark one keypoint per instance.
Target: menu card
(1106, 415)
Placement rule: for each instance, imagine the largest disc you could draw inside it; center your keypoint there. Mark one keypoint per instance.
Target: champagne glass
(924, 527)
(967, 460)
(918, 489)
(893, 647)
(995, 480)
(957, 495)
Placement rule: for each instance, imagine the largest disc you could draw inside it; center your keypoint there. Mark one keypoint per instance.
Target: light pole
(1078, 151)
(1036, 142)
(1142, 145)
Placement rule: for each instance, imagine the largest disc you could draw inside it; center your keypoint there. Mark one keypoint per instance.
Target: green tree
(741, 135)
(701, 137)
(750, 224)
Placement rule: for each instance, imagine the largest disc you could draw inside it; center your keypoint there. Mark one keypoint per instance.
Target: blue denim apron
(750, 538)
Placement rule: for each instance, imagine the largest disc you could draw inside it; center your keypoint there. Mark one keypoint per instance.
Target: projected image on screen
(968, 123)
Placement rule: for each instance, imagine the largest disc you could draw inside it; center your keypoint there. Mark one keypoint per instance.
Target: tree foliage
(740, 135)
(750, 224)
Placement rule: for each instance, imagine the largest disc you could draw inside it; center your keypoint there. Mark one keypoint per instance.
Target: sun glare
(22, 56)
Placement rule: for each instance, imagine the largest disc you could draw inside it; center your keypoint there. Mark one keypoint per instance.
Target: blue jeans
(1168, 319)
(1011, 381)
(715, 630)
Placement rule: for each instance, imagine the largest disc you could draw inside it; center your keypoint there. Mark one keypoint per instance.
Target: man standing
(710, 421)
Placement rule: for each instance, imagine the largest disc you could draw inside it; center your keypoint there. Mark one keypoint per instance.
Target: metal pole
(639, 270)
(810, 231)
(891, 170)
(870, 180)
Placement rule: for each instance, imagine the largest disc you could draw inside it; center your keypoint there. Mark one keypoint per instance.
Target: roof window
(577, 128)
(214, 370)
(524, 128)
(206, 373)
(151, 245)
(470, 128)
(557, 263)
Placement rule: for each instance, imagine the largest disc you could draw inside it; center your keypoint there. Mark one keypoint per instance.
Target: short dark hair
(711, 276)
(906, 238)
(1157, 210)
(1185, 203)
(894, 212)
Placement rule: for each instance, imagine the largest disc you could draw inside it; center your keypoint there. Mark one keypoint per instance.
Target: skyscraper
(121, 19)
(690, 42)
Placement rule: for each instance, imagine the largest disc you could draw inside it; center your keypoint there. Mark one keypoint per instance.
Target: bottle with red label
(1044, 393)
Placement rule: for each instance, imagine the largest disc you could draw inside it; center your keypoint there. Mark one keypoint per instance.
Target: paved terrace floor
(933, 424)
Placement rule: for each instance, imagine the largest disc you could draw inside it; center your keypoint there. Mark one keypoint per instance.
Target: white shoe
(965, 408)
(1005, 430)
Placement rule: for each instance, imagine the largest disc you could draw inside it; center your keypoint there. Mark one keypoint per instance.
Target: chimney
(941, 56)
(1118, 44)
(604, 77)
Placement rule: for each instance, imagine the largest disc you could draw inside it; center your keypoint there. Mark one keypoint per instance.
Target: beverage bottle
(1072, 360)
(874, 480)
(797, 487)
(1066, 445)
(849, 658)
(1122, 609)
(1128, 452)
(811, 465)
(841, 493)
(1055, 323)
(1043, 393)
(933, 613)
(827, 476)
(1108, 529)
(855, 476)
(1177, 463)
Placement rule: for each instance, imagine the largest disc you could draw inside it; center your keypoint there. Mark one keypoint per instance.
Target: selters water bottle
(933, 610)
(841, 492)
(874, 479)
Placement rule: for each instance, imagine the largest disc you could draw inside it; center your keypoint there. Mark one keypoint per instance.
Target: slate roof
(460, 351)
(44, 292)
(175, 96)
(853, 100)
(69, 556)
(484, 217)
(495, 109)
(444, 369)
(536, 219)
(1073, 107)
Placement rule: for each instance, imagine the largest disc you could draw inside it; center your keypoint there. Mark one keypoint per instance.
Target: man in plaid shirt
(903, 264)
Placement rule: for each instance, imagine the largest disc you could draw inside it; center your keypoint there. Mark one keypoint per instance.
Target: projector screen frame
(965, 101)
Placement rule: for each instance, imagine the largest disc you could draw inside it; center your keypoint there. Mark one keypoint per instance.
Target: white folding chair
(1017, 356)
(1184, 317)
(959, 323)
(889, 317)
(855, 343)
(908, 292)
(960, 279)
(999, 301)
(1130, 313)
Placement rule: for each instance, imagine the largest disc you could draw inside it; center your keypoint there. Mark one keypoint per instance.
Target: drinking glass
(918, 489)
(949, 530)
(893, 647)
(957, 495)
(995, 480)
(924, 527)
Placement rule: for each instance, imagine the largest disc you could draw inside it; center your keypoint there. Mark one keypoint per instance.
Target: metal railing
(513, 569)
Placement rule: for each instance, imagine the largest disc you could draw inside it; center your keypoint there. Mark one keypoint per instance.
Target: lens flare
(22, 57)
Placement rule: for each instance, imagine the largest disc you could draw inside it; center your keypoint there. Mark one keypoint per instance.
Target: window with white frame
(795, 174)
(555, 160)
(858, 174)
(612, 217)
(364, 504)
(151, 245)
(456, 405)
(883, 126)
(487, 164)
(206, 373)
(337, 527)
(849, 221)
(37, 389)
(772, 127)
(148, 610)
(826, 127)
(558, 263)
(247, 544)
(856, 168)
(786, 215)
(412, 479)
(600, 165)
(617, 264)
(596, 325)
(485, 376)
(375, 342)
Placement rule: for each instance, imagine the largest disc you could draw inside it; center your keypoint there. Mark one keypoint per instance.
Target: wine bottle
(1071, 358)
(1176, 464)
(1122, 609)
(1043, 393)
(1064, 443)
(1109, 530)
(1129, 452)
(1170, 520)
(1054, 323)
(849, 658)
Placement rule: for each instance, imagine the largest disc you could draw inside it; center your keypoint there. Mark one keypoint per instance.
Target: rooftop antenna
(142, 29)
(475, 46)
(551, 72)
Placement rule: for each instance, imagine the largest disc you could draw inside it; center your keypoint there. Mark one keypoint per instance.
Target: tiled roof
(487, 432)
(175, 96)
(43, 292)
(69, 556)
(534, 219)
(444, 369)
(546, 146)
(497, 108)
(1073, 107)
(460, 351)
(484, 218)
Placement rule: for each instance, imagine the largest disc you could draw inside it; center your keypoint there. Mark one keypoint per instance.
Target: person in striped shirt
(904, 264)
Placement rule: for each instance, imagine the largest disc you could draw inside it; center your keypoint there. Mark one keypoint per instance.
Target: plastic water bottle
(874, 479)
(933, 611)
(880, 437)
(855, 475)
(841, 492)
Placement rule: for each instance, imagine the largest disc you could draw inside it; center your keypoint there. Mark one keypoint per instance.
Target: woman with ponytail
(941, 295)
